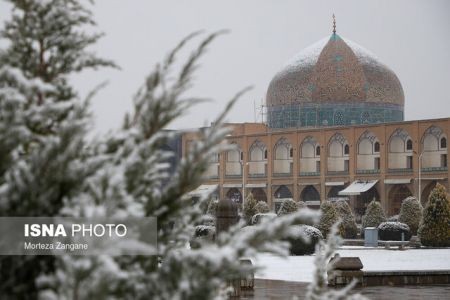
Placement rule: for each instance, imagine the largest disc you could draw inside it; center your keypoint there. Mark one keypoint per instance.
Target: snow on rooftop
(310, 55)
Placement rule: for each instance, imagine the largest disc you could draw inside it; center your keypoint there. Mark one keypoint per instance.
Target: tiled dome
(334, 73)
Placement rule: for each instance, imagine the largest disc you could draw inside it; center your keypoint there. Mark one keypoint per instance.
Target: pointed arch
(309, 156)
(398, 140)
(434, 147)
(400, 150)
(338, 153)
(282, 162)
(397, 194)
(282, 192)
(309, 194)
(257, 151)
(282, 149)
(257, 159)
(234, 195)
(233, 164)
(368, 152)
(259, 194)
(308, 147)
(336, 145)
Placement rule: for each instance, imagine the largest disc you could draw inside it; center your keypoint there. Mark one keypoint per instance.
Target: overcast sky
(411, 37)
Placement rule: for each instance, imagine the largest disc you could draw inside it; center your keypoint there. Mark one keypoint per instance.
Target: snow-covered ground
(300, 268)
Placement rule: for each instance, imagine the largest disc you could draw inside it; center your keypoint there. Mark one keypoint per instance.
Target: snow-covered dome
(334, 82)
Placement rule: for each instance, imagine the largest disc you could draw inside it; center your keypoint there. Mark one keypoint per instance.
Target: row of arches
(368, 147)
(310, 194)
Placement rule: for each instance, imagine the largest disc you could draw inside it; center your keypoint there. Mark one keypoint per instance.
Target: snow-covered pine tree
(123, 174)
(374, 215)
(348, 224)
(43, 124)
(134, 174)
(261, 207)
(434, 229)
(249, 208)
(411, 213)
(288, 206)
(328, 218)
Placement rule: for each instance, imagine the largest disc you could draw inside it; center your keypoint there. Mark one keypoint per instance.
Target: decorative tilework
(334, 82)
(332, 114)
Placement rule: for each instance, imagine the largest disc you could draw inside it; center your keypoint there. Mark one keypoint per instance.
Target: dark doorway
(397, 194)
(234, 195)
(259, 194)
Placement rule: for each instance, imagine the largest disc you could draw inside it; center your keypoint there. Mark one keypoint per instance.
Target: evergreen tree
(328, 218)
(374, 215)
(212, 207)
(411, 214)
(249, 209)
(288, 206)
(134, 174)
(262, 207)
(348, 224)
(43, 123)
(434, 228)
(50, 169)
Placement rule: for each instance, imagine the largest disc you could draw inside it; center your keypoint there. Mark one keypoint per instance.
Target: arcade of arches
(304, 164)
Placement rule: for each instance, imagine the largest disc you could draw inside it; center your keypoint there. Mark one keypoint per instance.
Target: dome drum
(329, 114)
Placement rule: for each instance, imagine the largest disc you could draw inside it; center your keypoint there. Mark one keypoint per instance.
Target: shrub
(212, 207)
(392, 231)
(328, 218)
(288, 206)
(348, 224)
(300, 246)
(434, 229)
(411, 214)
(208, 220)
(262, 207)
(301, 204)
(203, 233)
(374, 215)
(259, 217)
(249, 209)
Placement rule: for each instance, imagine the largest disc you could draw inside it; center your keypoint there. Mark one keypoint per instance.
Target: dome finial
(334, 24)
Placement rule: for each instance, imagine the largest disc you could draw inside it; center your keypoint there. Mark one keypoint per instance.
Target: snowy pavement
(300, 268)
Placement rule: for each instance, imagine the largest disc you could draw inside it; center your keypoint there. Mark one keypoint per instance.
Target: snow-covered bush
(301, 204)
(304, 240)
(203, 233)
(208, 220)
(249, 209)
(258, 218)
(392, 231)
(261, 207)
(374, 215)
(328, 218)
(347, 226)
(411, 214)
(434, 229)
(212, 207)
(287, 206)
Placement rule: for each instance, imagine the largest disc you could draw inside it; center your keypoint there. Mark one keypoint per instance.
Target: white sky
(412, 37)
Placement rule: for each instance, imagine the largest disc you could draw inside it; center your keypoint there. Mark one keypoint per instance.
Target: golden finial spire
(334, 24)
